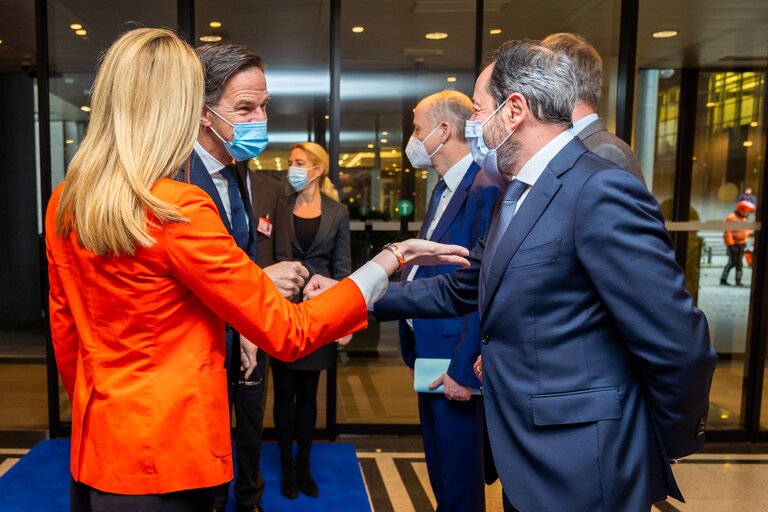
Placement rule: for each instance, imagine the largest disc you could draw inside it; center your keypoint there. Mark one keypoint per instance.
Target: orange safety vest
(736, 236)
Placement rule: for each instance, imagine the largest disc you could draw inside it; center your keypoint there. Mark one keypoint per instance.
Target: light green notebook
(426, 371)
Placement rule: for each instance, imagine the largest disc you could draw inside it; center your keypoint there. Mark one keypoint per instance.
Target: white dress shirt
(214, 168)
(582, 123)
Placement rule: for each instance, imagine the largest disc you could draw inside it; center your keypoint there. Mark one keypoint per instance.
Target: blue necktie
(434, 200)
(506, 212)
(237, 208)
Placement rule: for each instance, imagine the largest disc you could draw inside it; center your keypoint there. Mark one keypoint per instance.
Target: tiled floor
(396, 478)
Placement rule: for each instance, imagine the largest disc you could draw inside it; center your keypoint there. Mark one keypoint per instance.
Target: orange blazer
(139, 342)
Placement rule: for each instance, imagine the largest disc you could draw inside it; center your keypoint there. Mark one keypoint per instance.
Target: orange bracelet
(398, 254)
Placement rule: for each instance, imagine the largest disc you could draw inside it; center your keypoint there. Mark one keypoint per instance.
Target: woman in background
(321, 244)
(143, 275)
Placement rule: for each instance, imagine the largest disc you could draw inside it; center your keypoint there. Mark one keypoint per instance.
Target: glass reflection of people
(736, 242)
(143, 274)
(321, 243)
(747, 195)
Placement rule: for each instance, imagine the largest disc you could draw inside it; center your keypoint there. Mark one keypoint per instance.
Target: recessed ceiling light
(747, 144)
(394, 151)
(69, 141)
(210, 39)
(385, 133)
(495, 31)
(450, 79)
(215, 24)
(711, 104)
(370, 146)
(358, 29)
(81, 32)
(383, 141)
(1, 41)
(435, 36)
(326, 116)
(753, 124)
(665, 34)
(75, 26)
(85, 108)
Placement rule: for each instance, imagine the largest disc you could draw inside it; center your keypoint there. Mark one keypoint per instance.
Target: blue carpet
(40, 481)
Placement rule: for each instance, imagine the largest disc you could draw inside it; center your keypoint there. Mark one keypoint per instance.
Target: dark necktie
(236, 208)
(434, 200)
(506, 212)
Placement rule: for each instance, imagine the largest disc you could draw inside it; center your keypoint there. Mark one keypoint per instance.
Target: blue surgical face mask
(248, 139)
(481, 154)
(297, 177)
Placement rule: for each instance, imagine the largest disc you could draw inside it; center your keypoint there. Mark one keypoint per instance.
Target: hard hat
(745, 207)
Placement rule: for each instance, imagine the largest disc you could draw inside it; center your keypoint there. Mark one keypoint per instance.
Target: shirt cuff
(372, 281)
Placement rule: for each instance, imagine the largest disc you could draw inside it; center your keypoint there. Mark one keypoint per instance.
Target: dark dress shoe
(304, 479)
(288, 486)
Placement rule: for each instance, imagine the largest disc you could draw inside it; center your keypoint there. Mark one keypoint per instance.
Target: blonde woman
(321, 244)
(143, 275)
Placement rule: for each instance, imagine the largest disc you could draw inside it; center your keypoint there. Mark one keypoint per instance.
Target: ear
(445, 132)
(205, 119)
(516, 111)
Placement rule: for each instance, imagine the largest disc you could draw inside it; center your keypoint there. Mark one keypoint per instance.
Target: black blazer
(268, 200)
(329, 255)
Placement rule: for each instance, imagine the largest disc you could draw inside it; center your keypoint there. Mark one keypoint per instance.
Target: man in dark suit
(235, 93)
(458, 213)
(587, 125)
(596, 364)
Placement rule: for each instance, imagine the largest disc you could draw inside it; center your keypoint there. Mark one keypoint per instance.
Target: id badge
(265, 226)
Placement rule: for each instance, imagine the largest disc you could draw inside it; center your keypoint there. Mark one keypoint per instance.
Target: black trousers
(295, 409)
(735, 259)
(249, 399)
(83, 498)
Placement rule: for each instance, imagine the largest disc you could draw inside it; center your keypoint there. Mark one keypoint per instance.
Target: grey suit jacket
(599, 140)
(269, 201)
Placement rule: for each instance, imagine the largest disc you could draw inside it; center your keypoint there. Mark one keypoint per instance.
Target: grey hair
(451, 107)
(587, 64)
(544, 78)
(220, 62)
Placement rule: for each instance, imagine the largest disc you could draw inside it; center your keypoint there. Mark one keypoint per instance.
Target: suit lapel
(537, 201)
(202, 178)
(326, 222)
(242, 183)
(456, 203)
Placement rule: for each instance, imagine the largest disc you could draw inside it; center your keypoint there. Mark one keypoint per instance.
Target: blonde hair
(146, 103)
(319, 156)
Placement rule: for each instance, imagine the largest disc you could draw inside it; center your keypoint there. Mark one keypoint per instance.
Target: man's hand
(478, 366)
(345, 340)
(288, 276)
(248, 353)
(452, 389)
(317, 285)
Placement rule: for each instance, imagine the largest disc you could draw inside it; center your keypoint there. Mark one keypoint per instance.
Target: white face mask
(417, 153)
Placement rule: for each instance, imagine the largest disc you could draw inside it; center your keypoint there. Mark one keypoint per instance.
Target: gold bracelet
(398, 254)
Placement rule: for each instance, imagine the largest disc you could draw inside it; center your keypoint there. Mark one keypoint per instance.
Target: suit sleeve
(623, 245)
(467, 349)
(205, 257)
(342, 257)
(442, 296)
(283, 228)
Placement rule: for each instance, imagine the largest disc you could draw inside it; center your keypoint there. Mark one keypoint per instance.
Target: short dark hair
(544, 78)
(220, 62)
(587, 64)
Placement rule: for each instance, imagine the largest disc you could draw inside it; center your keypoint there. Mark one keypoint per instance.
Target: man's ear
(517, 110)
(445, 132)
(205, 119)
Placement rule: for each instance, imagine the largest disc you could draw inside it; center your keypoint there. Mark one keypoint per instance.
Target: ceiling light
(753, 124)
(215, 24)
(81, 32)
(327, 117)
(383, 141)
(357, 29)
(436, 36)
(85, 108)
(711, 104)
(664, 34)
(451, 79)
(747, 144)
(370, 146)
(495, 31)
(1, 41)
(724, 416)
(210, 39)
(385, 133)
(69, 141)
(394, 151)
(75, 26)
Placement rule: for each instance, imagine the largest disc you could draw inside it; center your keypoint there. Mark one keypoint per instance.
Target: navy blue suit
(597, 366)
(453, 431)
(199, 175)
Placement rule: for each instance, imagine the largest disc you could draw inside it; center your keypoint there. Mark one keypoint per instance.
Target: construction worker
(736, 241)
